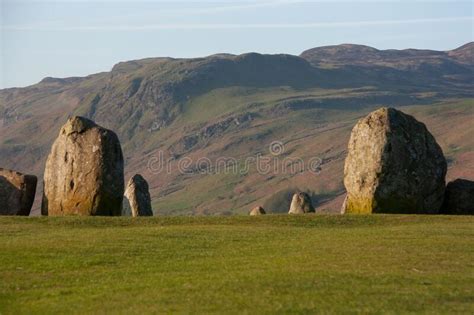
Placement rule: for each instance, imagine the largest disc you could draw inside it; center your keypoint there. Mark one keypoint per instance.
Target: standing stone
(301, 203)
(138, 196)
(393, 165)
(257, 211)
(344, 204)
(84, 171)
(17, 192)
(459, 197)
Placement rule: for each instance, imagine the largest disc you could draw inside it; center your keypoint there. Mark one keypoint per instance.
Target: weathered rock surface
(84, 171)
(17, 192)
(301, 203)
(138, 196)
(126, 210)
(459, 197)
(394, 165)
(257, 211)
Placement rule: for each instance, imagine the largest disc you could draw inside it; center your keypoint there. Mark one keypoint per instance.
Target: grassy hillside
(269, 264)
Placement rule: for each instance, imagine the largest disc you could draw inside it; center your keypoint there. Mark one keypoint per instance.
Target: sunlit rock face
(301, 203)
(393, 165)
(257, 211)
(84, 171)
(138, 196)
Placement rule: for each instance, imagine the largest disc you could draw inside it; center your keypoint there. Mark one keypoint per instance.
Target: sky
(63, 38)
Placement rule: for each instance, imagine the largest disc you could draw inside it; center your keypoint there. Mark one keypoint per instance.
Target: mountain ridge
(467, 48)
(352, 53)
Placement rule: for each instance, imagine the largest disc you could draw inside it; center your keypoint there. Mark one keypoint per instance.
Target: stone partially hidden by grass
(264, 264)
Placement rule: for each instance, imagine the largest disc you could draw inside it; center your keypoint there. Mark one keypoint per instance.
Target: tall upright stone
(17, 192)
(84, 171)
(393, 165)
(138, 196)
(301, 203)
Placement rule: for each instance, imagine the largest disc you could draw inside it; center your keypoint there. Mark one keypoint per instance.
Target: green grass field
(240, 264)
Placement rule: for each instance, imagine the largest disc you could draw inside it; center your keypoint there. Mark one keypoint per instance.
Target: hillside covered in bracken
(235, 106)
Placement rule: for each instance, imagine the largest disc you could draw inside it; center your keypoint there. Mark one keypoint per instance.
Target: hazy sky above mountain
(63, 38)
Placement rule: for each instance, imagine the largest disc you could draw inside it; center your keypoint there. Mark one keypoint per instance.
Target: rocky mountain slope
(233, 107)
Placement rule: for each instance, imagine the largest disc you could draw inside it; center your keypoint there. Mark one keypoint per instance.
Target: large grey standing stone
(257, 211)
(17, 192)
(84, 171)
(393, 165)
(138, 196)
(459, 197)
(301, 203)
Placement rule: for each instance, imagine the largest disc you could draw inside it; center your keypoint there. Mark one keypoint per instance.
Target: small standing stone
(138, 196)
(459, 197)
(301, 203)
(257, 211)
(17, 192)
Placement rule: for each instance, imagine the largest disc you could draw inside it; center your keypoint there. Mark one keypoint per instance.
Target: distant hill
(406, 59)
(235, 106)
